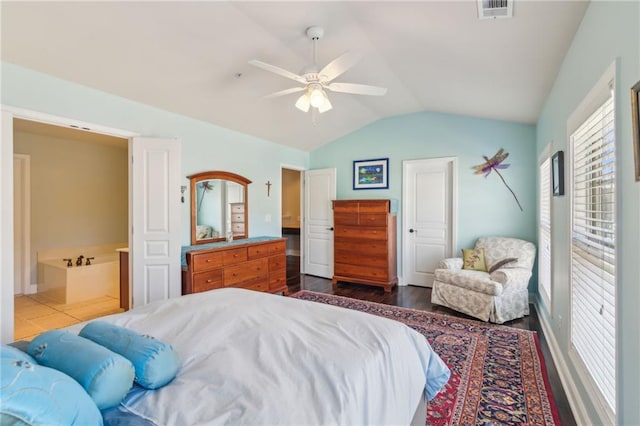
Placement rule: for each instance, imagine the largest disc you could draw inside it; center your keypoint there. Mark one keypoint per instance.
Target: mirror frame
(217, 174)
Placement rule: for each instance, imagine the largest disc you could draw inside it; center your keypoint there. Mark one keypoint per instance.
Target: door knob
(330, 229)
(412, 230)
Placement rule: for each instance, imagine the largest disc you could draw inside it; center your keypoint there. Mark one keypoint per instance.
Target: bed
(251, 358)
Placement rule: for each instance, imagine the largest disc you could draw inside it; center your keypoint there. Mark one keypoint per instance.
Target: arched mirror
(218, 206)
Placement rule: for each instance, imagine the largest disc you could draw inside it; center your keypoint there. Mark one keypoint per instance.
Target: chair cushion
(498, 248)
(473, 259)
(477, 281)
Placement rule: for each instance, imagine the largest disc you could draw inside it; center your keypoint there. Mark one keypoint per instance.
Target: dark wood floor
(420, 298)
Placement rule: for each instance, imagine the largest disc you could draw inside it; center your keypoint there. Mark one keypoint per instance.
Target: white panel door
(21, 228)
(319, 192)
(428, 217)
(154, 245)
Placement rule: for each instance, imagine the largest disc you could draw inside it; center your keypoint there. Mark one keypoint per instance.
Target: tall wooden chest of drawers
(260, 266)
(365, 243)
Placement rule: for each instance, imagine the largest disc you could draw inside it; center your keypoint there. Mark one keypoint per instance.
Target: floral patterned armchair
(497, 296)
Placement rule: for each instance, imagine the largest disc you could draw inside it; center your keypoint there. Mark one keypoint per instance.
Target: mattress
(250, 358)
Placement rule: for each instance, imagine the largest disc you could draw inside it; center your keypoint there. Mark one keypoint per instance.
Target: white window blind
(544, 231)
(593, 248)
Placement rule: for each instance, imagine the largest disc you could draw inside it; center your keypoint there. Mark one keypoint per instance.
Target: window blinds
(544, 231)
(593, 247)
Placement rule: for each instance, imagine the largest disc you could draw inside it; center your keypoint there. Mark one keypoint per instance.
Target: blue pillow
(36, 395)
(156, 363)
(106, 376)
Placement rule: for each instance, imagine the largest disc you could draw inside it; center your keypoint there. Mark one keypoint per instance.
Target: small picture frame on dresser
(371, 174)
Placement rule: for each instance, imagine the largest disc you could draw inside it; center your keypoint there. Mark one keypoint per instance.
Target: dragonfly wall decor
(493, 164)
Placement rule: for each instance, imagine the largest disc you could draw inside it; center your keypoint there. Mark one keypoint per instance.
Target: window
(544, 230)
(593, 246)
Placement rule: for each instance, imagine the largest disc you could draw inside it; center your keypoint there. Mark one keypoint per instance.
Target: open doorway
(291, 213)
(78, 185)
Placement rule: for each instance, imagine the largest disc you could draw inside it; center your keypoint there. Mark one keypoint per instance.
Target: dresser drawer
(237, 228)
(208, 280)
(373, 206)
(204, 261)
(361, 258)
(363, 233)
(237, 208)
(345, 218)
(372, 219)
(257, 251)
(369, 247)
(248, 271)
(279, 247)
(277, 263)
(237, 217)
(256, 286)
(235, 256)
(362, 271)
(341, 206)
(277, 279)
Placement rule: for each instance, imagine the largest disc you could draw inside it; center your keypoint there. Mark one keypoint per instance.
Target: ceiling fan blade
(285, 92)
(357, 89)
(303, 103)
(339, 65)
(277, 70)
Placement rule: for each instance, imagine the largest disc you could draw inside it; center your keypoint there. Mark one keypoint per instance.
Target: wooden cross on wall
(268, 188)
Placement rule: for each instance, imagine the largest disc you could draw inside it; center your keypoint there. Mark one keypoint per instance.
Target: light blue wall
(610, 31)
(204, 146)
(485, 205)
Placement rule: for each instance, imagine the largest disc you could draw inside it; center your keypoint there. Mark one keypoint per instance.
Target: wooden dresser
(365, 243)
(255, 264)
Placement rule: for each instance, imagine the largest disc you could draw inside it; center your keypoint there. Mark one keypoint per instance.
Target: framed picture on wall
(557, 173)
(635, 119)
(371, 174)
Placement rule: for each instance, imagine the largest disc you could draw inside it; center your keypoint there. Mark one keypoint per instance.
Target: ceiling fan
(315, 82)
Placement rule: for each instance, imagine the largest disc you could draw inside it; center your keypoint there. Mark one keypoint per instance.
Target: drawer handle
(208, 281)
(208, 260)
(234, 274)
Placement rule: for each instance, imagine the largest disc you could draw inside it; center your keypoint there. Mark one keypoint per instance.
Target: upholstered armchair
(497, 296)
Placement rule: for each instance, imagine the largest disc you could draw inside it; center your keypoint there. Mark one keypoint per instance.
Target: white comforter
(252, 358)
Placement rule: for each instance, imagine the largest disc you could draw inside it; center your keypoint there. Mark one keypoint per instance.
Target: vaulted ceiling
(192, 57)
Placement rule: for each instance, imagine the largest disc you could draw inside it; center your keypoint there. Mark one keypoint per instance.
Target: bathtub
(79, 283)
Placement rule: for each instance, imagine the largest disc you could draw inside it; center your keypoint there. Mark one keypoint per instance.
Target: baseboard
(573, 396)
(32, 289)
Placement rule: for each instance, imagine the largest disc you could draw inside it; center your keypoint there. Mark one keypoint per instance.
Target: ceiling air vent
(492, 9)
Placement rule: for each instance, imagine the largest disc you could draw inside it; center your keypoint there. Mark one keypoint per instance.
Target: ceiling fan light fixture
(326, 106)
(317, 97)
(303, 103)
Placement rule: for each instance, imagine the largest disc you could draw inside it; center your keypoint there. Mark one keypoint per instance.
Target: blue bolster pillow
(156, 363)
(106, 376)
(36, 395)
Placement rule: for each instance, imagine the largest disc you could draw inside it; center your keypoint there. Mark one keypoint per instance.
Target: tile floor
(35, 314)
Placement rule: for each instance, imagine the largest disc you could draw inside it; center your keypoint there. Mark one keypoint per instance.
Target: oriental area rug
(498, 375)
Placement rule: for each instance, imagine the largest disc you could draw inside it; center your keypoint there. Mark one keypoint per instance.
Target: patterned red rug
(498, 374)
